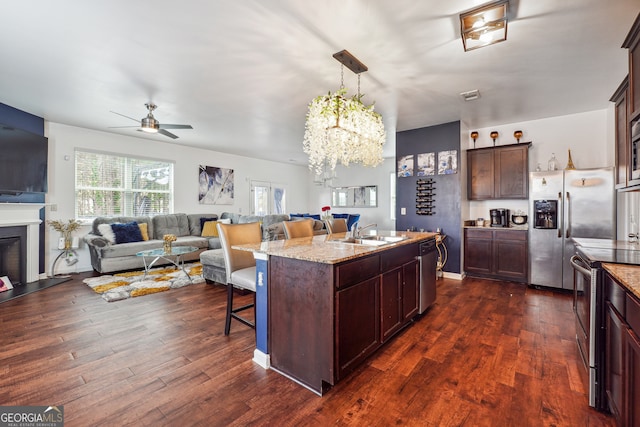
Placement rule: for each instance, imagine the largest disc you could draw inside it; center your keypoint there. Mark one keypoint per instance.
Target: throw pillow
(144, 230)
(107, 232)
(203, 220)
(127, 232)
(210, 229)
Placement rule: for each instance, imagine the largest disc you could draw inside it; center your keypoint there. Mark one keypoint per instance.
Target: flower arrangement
(326, 214)
(168, 239)
(65, 228)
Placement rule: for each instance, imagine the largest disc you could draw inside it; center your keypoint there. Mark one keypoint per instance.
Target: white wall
(355, 175)
(588, 135)
(63, 140)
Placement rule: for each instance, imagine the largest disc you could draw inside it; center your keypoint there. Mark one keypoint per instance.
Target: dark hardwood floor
(488, 353)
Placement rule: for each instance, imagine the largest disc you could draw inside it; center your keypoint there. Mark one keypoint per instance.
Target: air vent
(471, 95)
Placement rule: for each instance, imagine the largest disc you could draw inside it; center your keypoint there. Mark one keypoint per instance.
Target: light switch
(403, 211)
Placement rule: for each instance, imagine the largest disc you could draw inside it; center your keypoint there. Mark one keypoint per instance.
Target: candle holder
(518, 134)
(494, 135)
(474, 136)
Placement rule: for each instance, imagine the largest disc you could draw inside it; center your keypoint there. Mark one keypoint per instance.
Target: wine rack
(425, 202)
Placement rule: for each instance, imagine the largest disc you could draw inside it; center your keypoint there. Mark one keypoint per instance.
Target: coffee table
(176, 251)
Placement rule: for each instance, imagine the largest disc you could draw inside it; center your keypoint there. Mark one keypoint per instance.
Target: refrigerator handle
(568, 224)
(559, 217)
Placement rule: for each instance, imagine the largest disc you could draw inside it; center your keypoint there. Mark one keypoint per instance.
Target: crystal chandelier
(341, 128)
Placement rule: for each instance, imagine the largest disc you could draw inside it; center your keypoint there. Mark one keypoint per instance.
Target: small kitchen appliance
(499, 217)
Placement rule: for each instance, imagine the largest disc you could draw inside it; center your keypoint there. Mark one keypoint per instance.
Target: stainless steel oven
(587, 285)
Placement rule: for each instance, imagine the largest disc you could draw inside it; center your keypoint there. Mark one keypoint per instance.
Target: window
(267, 198)
(113, 185)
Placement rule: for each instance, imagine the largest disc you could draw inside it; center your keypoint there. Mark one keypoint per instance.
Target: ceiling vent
(471, 95)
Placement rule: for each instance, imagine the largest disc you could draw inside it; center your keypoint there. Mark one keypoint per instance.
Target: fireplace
(13, 254)
(20, 241)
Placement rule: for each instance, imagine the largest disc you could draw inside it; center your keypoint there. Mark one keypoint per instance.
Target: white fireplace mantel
(25, 214)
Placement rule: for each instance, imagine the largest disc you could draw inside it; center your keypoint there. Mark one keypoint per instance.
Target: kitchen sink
(370, 240)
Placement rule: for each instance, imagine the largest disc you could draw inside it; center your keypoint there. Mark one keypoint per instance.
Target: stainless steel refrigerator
(565, 204)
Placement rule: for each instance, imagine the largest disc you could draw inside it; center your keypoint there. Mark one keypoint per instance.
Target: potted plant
(66, 228)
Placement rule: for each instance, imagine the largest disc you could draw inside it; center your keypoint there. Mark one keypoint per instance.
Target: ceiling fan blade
(135, 120)
(163, 126)
(167, 133)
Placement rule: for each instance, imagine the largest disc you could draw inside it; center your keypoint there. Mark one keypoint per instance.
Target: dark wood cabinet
(357, 320)
(398, 298)
(326, 319)
(622, 352)
(496, 254)
(498, 172)
(623, 146)
(614, 361)
(627, 108)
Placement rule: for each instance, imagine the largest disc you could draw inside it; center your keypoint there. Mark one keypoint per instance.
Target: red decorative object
(326, 208)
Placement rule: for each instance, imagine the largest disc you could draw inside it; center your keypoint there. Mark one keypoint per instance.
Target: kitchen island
(331, 301)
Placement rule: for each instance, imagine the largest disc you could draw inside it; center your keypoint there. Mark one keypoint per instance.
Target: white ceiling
(242, 72)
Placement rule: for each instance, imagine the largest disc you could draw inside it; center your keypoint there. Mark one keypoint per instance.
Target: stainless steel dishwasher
(428, 260)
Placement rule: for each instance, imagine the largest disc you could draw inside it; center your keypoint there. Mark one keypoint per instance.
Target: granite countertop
(512, 227)
(627, 275)
(328, 249)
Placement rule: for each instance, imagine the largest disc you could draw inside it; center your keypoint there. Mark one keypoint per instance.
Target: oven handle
(576, 262)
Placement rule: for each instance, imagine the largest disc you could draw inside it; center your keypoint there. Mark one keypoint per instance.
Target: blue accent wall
(447, 188)
(22, 120)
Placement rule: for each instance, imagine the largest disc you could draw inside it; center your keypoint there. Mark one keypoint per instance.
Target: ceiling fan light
(149, 130)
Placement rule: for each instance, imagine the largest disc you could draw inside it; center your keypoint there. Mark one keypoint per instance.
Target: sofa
(109, 254)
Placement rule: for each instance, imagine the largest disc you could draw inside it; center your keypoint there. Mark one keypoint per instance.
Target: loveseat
(111, 253)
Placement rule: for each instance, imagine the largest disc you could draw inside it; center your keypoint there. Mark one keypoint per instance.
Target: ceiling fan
(151, 125)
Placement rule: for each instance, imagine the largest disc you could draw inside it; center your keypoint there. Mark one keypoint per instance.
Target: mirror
(355, 197)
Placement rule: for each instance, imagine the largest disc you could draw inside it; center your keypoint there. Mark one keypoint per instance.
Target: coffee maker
(499, 217)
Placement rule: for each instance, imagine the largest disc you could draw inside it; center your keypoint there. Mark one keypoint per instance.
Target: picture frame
(215, 186)
(5, 284)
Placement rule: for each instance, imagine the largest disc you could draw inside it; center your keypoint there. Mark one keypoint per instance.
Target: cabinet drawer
(352, 272)
(479, 234)
(396, 257)
(510, 235)
(615, 294)
(633, 314)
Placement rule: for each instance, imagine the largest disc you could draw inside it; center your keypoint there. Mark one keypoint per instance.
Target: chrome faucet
(357, 229)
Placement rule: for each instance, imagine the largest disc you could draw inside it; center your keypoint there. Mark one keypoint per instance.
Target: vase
(67, 243)
(167, 247)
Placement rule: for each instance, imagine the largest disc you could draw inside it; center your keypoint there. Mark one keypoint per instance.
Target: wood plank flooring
(488, 353)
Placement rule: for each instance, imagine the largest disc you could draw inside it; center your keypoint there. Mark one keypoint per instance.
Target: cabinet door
(510, 258)
(478, 251)
(511, 172)
(357, 324)
(480, 175)
(410, 290)
(623, 146)
(614, 357)
(632, 374)
(391, 302)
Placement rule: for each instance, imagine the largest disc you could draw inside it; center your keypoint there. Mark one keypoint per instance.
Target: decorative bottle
(553, 163)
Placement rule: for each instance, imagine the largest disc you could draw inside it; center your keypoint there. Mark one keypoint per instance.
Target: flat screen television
(23, 161)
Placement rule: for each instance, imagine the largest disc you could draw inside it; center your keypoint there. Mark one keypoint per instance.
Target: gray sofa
(107, 257)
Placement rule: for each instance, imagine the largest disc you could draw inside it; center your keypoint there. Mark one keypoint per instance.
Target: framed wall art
(426, 164)
(215, 186)
(447, 162)
(405, 166)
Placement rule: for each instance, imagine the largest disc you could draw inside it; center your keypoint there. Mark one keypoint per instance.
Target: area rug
(129, 284)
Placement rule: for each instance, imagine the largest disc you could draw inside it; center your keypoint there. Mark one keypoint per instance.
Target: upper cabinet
(500, 172)
(627, 100)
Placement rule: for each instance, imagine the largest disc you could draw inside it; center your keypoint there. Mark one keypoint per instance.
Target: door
(545, 254)
(588, 210)
(267, 198)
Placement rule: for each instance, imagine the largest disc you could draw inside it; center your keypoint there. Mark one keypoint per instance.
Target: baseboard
(262, 359)
(454, 276)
